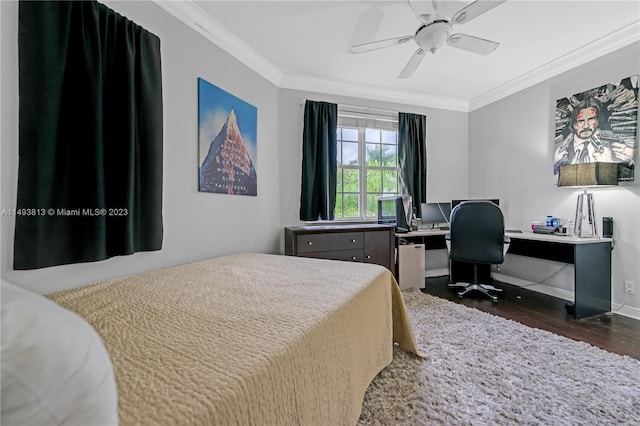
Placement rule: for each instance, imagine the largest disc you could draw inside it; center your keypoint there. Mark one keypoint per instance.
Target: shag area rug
(487, 370)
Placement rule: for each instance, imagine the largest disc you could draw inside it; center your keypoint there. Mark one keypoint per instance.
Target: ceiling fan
(435, 31)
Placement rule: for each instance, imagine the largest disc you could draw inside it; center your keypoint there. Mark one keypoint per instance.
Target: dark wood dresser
(368, 243)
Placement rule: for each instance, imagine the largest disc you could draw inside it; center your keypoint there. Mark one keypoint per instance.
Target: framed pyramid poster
(227, 141)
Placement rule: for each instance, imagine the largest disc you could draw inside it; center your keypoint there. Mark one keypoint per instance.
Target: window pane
(389, 156)
(351, 208)
(372, 205)
(350, 135)
(368, 154)
(351, 180)
(374, 180)
(372, 135)
(350, 153)
(390, 181)
(388, 137)
(338, 210)
(373, 154)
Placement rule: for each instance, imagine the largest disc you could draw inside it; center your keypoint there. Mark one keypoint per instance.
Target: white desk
(591, 258)
(423, 233)
(557, 238)
(519, 235)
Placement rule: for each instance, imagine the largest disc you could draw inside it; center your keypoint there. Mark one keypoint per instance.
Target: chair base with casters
(475, 285)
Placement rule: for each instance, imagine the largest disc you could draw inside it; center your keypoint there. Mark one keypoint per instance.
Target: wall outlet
(629, 287)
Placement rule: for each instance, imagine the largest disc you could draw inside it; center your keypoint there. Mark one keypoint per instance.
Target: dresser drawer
(366, 242)
(356, 255)
(310, 243)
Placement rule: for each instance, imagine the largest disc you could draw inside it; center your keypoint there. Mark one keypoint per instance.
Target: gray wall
(511, 147)
(447, 159)
(196, 225)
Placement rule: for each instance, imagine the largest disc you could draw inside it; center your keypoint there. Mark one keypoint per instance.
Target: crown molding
(607, 44)
(197, 19)
(372, 92)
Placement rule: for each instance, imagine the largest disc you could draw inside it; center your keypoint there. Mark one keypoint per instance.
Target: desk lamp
(585, 175)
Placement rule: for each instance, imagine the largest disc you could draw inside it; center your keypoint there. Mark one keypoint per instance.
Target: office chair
(477, 237)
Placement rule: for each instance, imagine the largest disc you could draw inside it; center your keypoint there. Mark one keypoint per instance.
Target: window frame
(361, 121)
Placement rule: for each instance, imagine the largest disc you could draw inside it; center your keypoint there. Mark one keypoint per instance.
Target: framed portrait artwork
(599, 125)
(227, 129)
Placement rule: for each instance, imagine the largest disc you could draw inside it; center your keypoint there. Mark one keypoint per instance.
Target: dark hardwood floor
(612, 332)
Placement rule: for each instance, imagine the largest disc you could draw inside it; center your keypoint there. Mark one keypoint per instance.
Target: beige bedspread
(246, 339)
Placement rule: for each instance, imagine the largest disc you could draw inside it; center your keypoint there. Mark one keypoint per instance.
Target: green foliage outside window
(380, 171)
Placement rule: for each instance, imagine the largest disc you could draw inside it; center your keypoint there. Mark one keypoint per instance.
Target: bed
(246, 339)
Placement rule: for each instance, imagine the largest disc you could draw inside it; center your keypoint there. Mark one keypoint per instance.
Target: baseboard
(429, 273)
(627, 311)
(530, 285)
(617, 308)
(508, 279)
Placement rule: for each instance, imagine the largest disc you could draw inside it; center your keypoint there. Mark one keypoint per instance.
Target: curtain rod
(360, 107)
(369, 110)
(393, 119)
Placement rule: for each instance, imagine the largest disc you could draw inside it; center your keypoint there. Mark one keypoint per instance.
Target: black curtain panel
(412, 157)
(90, 165)
(319, 161)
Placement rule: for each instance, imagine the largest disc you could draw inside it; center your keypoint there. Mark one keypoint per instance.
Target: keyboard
(513, 231)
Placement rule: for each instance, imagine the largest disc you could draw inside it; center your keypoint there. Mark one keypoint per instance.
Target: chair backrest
(477, 233)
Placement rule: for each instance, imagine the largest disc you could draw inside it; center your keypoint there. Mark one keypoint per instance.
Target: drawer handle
(368, 256)
(310, 243)
(353, 241)
(353, 258)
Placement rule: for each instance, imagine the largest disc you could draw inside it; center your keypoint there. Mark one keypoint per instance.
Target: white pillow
(55, 369)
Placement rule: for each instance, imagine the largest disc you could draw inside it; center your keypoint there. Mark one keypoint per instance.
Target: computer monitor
(436, 213)
(456, 202)
(396, 210)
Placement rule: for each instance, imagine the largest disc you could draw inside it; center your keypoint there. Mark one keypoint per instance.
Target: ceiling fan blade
(473, 44)
(413, 63)
(423, 9)
(366, 47)
(474, 10)
(367, 25)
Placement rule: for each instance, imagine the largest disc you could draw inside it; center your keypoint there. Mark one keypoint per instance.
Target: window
(367, 163)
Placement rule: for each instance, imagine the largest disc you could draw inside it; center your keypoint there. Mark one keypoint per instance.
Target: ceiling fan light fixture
(433, 36)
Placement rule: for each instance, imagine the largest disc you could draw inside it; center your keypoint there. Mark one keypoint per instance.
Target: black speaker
(607, 227)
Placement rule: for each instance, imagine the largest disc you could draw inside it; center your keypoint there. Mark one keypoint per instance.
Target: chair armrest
(447, 240)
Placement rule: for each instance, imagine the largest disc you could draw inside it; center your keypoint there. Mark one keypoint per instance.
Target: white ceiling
(304, 45)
